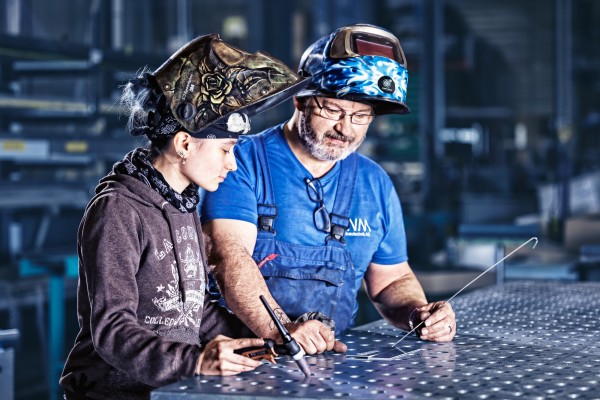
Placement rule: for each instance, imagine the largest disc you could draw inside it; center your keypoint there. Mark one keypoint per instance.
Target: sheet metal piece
(520, 340)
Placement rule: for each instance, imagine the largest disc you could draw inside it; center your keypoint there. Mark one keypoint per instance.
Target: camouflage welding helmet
(361, 62)
(212, 88)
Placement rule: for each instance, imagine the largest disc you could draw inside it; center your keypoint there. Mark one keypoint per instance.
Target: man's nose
(345, 124)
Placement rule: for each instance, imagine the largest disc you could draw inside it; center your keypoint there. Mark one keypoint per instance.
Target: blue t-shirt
(376, 232)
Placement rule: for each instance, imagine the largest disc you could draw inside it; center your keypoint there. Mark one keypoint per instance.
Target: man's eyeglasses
(320, 214)
(336, 114)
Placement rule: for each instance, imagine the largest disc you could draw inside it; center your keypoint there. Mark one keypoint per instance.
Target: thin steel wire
(468, 284)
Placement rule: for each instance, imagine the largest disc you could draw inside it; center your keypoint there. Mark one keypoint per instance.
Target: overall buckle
(337, 229)
(266, 217)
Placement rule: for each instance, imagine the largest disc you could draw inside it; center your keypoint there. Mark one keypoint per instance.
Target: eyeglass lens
(320, 214)
(359, 118)
(315, 190)
(321, 218)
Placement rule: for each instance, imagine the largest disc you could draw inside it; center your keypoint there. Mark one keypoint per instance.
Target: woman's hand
(218, 357)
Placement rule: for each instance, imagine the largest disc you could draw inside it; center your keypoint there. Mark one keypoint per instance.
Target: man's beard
(318, 149)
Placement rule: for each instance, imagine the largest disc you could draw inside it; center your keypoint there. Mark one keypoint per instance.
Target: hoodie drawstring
(180, 270)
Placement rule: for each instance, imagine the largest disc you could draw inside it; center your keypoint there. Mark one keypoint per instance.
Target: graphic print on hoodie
(168, 295)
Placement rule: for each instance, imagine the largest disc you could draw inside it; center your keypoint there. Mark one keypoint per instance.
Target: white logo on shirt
(359, 227)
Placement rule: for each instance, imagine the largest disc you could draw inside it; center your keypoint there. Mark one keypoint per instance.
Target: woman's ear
(181, 142)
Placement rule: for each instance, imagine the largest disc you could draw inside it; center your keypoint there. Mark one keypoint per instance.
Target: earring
(180, 154)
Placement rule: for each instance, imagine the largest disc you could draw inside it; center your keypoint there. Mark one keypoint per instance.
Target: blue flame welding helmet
(361, 63)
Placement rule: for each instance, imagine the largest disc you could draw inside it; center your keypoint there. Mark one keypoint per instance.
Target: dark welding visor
(355, 41)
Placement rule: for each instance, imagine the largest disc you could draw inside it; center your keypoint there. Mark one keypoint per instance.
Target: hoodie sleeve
(110, 244)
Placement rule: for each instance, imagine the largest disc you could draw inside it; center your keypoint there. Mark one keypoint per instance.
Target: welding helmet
(363, 63)
(210, 89)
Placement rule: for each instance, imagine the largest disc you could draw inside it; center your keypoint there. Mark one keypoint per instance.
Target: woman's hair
(138, 100)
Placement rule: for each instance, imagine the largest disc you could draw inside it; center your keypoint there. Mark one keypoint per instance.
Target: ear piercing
(180, 154)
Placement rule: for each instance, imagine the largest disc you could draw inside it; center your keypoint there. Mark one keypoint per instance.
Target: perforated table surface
(521, 340)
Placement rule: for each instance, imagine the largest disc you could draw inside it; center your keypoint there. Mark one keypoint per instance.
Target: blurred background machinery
(502, 143)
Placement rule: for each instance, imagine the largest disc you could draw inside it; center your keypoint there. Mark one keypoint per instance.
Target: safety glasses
(336, 114)
(366, 41)
(320, 213)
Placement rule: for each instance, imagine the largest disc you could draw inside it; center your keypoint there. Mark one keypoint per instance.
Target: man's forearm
(241, 284)
(399, 299)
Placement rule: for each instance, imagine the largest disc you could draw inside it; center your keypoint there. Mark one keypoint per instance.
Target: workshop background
(503, 142)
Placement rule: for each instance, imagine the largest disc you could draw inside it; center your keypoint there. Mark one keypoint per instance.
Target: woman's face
(210, 162)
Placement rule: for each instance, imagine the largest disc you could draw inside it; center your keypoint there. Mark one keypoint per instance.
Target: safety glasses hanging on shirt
(366, 41)
(320, 214)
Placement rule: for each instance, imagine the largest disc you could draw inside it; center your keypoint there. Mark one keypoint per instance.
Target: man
(317, 217)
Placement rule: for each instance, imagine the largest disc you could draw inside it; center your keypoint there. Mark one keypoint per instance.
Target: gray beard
(317, 149)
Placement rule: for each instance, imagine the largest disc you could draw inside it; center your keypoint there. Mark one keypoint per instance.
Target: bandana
(159, 121)
(137, 165)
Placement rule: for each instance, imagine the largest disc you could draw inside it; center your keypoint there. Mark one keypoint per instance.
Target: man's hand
(440, 322)
(315, 337)
(218, 357)
(400, 299)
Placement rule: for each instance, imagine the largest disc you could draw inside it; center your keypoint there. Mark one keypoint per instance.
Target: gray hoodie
(141, 295)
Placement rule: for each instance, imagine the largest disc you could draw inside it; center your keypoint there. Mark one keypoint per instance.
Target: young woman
(144, 316)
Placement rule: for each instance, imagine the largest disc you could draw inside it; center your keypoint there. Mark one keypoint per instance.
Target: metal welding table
(521, 340)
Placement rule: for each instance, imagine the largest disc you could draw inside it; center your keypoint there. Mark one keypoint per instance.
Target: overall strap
(266, 208)
(343, 199)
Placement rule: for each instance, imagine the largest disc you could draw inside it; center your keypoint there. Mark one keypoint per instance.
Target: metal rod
(468, 284)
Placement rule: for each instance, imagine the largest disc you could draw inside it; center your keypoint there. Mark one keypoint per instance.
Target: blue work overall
(308, 278)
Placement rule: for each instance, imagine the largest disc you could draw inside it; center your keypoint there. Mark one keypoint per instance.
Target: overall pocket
(304, 279)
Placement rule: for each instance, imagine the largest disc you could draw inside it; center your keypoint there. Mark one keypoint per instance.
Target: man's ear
(299, 103)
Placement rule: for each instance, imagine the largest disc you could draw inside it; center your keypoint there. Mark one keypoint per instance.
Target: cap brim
(381, 107)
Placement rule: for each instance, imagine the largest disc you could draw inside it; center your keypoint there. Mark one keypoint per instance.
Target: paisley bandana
(137, 165)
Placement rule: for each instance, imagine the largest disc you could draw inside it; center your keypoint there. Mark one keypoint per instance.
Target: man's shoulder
(268, 135)
(369, 166)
